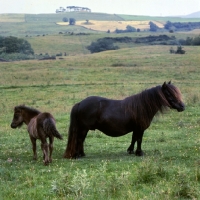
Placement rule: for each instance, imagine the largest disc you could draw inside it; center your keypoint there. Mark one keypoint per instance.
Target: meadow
(170, 168)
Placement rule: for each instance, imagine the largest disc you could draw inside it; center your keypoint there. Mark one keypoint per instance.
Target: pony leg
(51, 139)
(45, 149)
(130, 150)
(139, 151)
(80, 144)
(33, 141)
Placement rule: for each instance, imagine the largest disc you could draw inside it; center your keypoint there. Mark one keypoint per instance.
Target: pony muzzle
(181, 107)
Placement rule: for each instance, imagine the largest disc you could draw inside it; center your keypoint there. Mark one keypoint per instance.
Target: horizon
(157, 8)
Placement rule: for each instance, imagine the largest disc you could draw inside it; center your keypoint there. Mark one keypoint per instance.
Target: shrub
(72, 21)
(102, 45)
(15, 45)
(65, 19)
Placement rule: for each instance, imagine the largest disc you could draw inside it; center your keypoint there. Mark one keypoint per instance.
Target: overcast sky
(132, 7)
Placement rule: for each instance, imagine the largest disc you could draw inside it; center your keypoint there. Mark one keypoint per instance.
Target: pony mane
(143, 106)
(28, 109)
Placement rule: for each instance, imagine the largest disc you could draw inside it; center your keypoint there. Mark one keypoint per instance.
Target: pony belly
(113, 132)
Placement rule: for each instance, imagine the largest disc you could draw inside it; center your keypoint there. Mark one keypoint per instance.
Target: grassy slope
(170, 167)
(41, 24)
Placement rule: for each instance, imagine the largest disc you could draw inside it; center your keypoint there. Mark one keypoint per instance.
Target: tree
(101, 45)
(72, 21)
(153, 26)
(15, 45)
(65, 19)
(130, 28)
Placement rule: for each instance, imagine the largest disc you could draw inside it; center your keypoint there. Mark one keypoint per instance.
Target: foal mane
(144, 105)
(27, 109)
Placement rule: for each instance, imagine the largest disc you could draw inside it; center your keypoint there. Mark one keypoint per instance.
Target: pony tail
(50, 128)
(71, 151)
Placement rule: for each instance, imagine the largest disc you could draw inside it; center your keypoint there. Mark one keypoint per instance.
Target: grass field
(170, 168)
(113, 25)
(31, 25)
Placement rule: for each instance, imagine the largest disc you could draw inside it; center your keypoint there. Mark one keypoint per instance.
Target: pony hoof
(139, 153)
(130, 151)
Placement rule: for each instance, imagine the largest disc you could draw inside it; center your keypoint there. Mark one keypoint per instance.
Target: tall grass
(170, 166)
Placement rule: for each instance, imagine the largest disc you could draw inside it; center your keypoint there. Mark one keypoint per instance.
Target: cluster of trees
(153, 26)
(15, 45)
(71, 21)
(102, 45)
(128, 29)
(173, 26)
(190, 41)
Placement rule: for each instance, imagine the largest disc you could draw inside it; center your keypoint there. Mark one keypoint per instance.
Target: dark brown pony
(119, 117)
(40, 126)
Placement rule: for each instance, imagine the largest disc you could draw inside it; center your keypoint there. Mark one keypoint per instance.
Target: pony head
(173, 96)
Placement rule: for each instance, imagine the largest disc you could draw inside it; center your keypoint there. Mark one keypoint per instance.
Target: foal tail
(50, 128)
(70, 151)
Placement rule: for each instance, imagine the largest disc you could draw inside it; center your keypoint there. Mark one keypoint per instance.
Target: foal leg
(45, 149)
(33, 141)
(51, 139)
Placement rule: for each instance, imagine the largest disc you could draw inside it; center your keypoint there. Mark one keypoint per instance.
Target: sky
(131, 7)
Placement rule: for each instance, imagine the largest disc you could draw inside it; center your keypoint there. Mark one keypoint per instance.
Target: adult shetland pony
(119, 117)
(40, 126)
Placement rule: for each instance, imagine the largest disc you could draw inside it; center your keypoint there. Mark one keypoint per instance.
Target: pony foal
(40, 126)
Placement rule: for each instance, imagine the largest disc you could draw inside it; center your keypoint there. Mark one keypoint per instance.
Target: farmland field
(170, 168)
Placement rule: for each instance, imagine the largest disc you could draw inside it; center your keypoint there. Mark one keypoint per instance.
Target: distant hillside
(193, 15)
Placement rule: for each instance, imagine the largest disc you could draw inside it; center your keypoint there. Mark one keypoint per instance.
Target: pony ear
(169, 82)
(164, 85)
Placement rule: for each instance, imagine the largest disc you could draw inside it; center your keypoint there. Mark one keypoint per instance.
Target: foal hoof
(139, 153)
(45, 163)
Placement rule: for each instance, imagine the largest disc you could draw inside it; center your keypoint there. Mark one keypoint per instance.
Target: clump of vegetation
(194, 41)
(153, 26)
(178, 51)
(102, 45)
(15, 45)
(72, 21)
(65, 19)
(184, 26)
(128, 29)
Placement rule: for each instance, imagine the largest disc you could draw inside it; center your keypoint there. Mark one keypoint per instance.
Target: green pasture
(35, 25)
(170, 168)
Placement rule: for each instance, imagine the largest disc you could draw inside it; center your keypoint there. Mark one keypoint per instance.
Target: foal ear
(16, 109)
(169, 82)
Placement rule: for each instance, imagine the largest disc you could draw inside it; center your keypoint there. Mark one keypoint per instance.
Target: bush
(102, 45)
(128, 29)
(72, 21)
(65, 19)
(15, 45)
(190, 41)
(153, 27)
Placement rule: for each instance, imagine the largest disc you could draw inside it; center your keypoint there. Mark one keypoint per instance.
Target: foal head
(22, 114)
(17, 118)
(173, 96)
